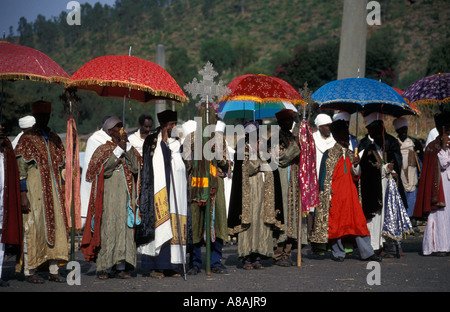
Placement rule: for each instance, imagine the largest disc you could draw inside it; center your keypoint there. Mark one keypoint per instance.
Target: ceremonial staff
(207, 90)
(304, 205)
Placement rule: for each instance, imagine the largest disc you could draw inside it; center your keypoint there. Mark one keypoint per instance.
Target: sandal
(56, 278)
(102, 275)
(156, 274)
(219, 270)
(122, 275)
(34, 279)
(248, 265)
(282, 263)
(257, 265)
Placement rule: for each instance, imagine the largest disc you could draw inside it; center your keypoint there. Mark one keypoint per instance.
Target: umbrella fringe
(260, 100)
(431, 101)
(265, 100)
(33, 77)
(133, 86)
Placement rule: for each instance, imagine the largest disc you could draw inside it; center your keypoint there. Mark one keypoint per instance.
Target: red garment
(91, 242)
(12, 214)
(346, 216)
(430, 193)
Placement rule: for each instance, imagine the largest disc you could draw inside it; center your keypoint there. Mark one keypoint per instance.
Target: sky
(12, 10)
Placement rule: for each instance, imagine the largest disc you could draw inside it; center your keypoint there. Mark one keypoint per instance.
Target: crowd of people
(149, 193)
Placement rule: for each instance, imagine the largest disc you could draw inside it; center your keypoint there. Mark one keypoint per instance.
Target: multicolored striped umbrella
(257, 96)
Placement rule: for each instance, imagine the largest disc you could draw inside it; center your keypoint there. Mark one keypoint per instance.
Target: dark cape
(430, 193)
(371, 163)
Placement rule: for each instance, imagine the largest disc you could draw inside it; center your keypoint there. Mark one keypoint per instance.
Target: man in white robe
(24, 123)
(137, 138)
(322, 137)
(97, 139)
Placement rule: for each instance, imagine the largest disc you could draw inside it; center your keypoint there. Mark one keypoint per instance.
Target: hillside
(272, 28)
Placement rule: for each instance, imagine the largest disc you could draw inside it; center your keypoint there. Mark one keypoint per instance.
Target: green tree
(245, 54)
(25, 32)
(439, 60)
(382, 57)
(180, 66)
(220, 53)
(315, 66)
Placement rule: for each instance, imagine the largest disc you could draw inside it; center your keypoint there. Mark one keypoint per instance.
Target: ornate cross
(206, 89)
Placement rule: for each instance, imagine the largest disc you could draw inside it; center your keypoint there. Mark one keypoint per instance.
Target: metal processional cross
(208, 91)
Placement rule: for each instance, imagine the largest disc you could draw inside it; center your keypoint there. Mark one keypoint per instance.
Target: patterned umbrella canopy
(261, 89)
(257, 96)
(361, 95)
(433, 89)
(127, 76)
(18, 62)
(411, 105)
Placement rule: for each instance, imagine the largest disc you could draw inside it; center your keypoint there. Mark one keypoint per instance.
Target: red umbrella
(261, 88)
(127, 76)
(18, 62)
(411, 105)
(265, 91)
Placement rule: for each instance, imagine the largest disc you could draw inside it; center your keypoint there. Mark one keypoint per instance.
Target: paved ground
(411, 273)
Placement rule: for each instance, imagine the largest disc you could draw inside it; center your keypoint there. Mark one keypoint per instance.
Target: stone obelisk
(160, 105)
(352, 51)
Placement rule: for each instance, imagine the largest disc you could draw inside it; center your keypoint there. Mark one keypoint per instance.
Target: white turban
(322, 119)
(189, 127)
(400, 123)
(220, 126)
(373, 117)
(26, 122)
(341, 116)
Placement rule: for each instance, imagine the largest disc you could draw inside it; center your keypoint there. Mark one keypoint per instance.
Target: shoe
(337, 259)
(194, 270)
(374, 257)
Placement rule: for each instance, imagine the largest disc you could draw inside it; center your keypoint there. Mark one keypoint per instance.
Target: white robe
(321, 146)
(98, 138)
(178, 186)
(136, 140)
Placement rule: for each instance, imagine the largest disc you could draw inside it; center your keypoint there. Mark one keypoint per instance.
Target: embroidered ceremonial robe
(109, 231)
(339, 213)
(40, 158)
(255, 207)
(157, 235)
(289, 153)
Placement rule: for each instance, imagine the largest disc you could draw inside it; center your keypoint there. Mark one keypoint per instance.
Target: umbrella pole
(208, 211)
(123, 111)
(72, 208)
(1, 106)
(356, 133)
